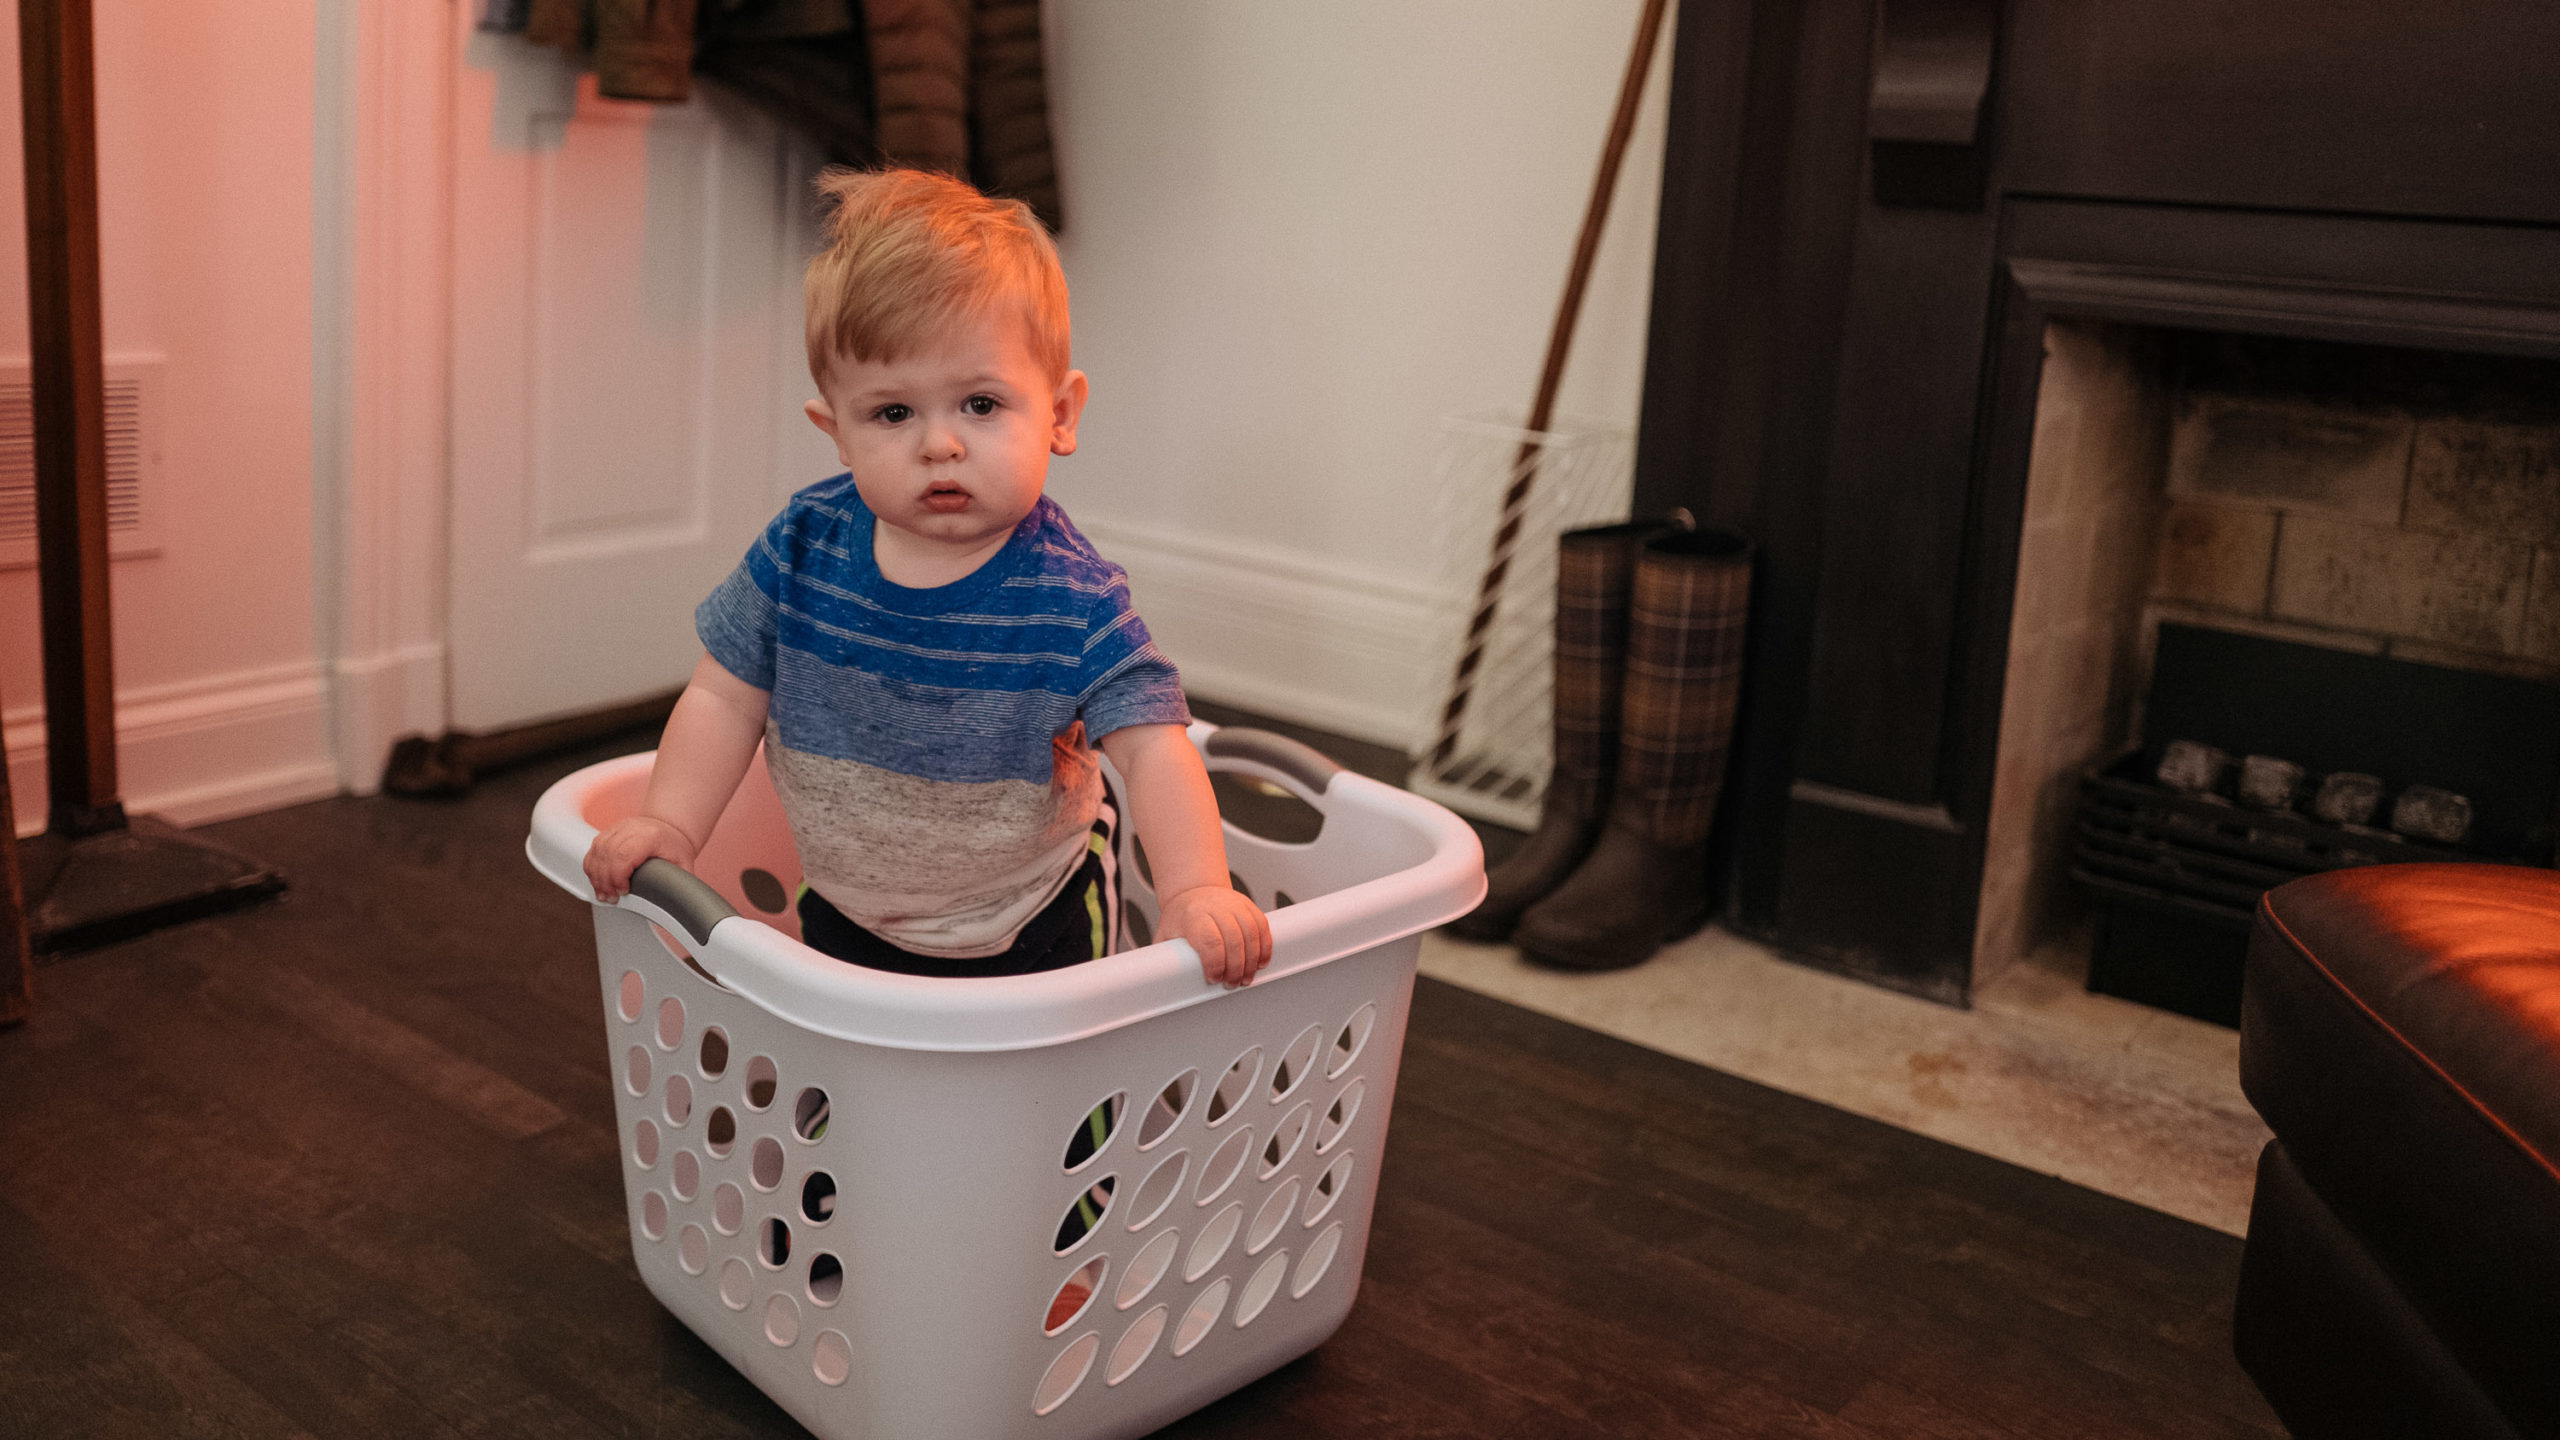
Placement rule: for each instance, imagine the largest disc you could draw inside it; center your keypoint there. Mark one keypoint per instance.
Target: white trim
(1290, 635)
(380, 462)
(198, 750)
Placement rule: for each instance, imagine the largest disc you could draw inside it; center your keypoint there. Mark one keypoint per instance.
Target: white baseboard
(199, 750)
(380, 699)
(1282, 633)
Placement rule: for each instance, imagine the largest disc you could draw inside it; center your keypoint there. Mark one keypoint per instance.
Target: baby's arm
(1177, 818)
(708, 743)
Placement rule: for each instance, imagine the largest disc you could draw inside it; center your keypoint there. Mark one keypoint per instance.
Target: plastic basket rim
(795, 984)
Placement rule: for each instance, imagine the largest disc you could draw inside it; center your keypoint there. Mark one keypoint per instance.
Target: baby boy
(928, 649)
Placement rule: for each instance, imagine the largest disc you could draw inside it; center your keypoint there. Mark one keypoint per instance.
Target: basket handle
(685, 897)
(1305, 764)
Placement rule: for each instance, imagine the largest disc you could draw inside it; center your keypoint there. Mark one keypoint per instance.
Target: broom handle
(1515, 501)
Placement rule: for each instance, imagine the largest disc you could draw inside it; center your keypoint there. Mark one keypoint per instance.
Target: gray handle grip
(683, 895)
(1302, 763)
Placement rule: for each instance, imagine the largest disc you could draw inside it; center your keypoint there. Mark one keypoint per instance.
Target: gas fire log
(2192, 767)
(2428, 813)
(2348, 798)
(2267, 783)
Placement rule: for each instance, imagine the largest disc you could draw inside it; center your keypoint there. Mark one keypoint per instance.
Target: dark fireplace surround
(1872, 210)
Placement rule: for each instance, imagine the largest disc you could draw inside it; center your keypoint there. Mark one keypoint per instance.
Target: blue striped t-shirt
(933, 748)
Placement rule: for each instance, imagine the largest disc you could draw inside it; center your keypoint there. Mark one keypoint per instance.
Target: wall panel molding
(1283, 633)
(199, 750)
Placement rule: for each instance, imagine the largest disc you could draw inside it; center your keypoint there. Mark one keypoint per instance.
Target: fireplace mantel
(1851, 378)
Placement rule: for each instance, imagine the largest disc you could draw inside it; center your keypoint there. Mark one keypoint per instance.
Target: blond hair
(911, 254)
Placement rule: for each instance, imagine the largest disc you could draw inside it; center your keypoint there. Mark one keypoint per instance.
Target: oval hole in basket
(1329, 1187)
(781, 1321)
(818, 1198)
(653, 1215)
(831, 1358)
(1065, 1373)
(762, 1080)
(679, 1100)
(737, 1286)
(1202, 1318)
(715, 1053)
(1285, 1138)
(809, 1114)
(763, 890)
(1265, 810)
(670, 1023)
(1094, 1132)
(773, 1242)
(1212, 1245)
(693, 1250)
(1258, 1291)
(1337, 1120)
(1135, 1346)
(1147, 1267)
(1138, 852)
(1234, 1085)
(728, 1208)
(1162, 1184)
(1075, 1293)
(1273, 1215)
(1347, 1042)
(1223, 1166)
(720, 1132)
(1085, 1212)
(635, 1071)
(1296, 1063)
(685, 1174)
(644, 1144)
(826, 1279)
(1166, 1110)
(1133, 925)
(764, 1165)
(634, 994)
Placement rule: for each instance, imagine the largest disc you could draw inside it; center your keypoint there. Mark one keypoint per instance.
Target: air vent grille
(130, 453)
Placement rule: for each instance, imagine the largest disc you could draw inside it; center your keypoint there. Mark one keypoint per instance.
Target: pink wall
(206, 169)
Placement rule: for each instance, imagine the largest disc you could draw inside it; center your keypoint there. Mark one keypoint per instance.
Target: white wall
(1299, 236)
(205, 150)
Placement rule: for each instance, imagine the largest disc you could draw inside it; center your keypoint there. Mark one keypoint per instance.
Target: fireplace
(2320, 558)
(2283, 283)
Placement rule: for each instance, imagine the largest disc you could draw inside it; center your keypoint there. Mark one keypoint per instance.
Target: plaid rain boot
(1595, 575)
(1644, 883)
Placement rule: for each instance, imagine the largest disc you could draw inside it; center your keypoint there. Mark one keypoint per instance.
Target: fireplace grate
(2182, 875)
(2138, 839)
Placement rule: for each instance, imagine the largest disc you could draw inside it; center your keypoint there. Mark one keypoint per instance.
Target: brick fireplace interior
(2375, 500)
(2013, 330)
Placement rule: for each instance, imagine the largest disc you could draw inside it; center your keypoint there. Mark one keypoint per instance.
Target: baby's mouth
(946, 499)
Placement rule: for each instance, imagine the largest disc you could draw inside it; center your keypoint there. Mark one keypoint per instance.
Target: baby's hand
(1229, 931)
(619, 851)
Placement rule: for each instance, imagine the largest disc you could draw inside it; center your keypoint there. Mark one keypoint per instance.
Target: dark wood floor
(344, 1166)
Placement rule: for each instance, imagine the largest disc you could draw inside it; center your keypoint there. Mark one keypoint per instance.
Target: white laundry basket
(870, 1191)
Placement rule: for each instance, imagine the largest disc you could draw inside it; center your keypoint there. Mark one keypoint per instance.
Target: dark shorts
(1082, 923)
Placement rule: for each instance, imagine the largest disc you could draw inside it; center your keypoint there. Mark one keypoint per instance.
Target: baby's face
(951, 444)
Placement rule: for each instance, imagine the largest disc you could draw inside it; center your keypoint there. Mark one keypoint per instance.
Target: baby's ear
(1068, 410)
(822, 415)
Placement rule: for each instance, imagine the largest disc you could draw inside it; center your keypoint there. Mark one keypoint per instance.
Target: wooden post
(17, 961)
(58, 91)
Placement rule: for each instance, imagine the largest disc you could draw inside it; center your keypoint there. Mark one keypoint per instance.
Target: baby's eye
(979, 404)
(892, 414)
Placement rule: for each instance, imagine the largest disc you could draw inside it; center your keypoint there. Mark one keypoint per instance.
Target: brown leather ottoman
(2400, 1032)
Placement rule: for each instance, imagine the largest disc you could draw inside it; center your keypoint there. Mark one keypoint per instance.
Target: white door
(627, 376)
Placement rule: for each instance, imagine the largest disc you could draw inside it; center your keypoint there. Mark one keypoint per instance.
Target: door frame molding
(382, 469)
